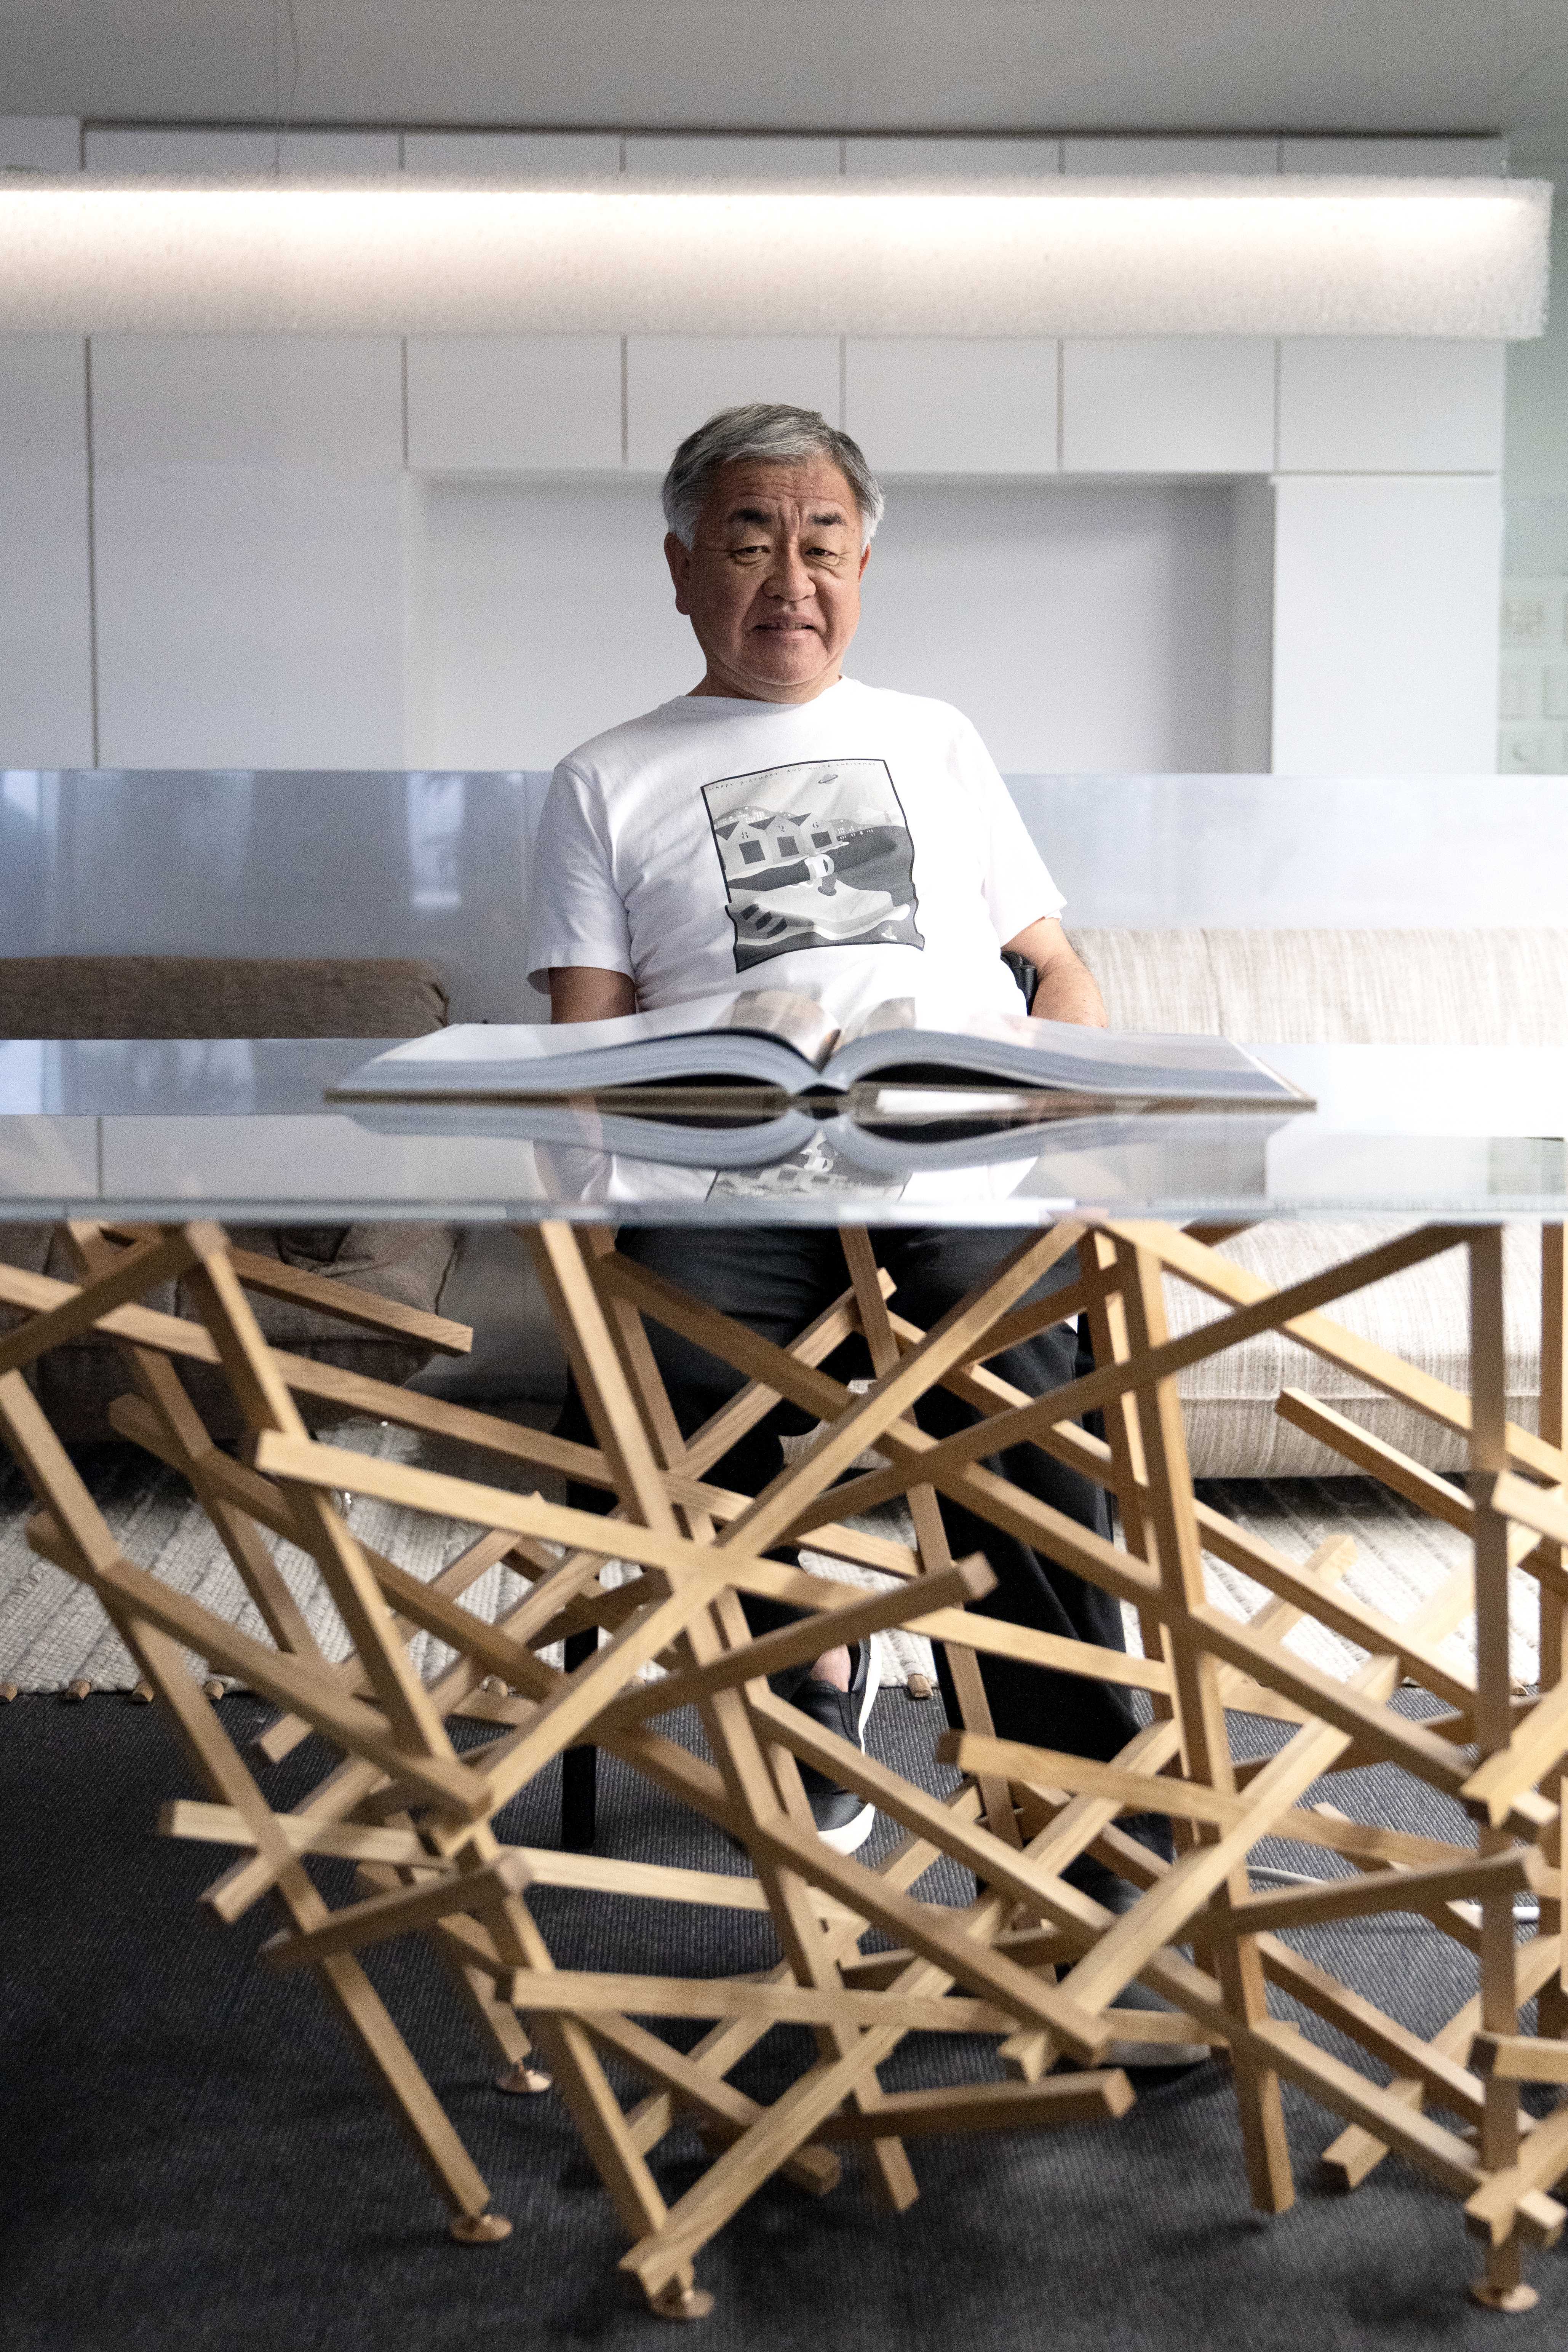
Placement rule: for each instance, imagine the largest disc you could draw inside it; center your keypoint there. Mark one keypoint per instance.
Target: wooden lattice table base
(1031, 1962)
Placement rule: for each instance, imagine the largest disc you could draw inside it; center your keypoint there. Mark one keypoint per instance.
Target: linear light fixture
(1168, 257)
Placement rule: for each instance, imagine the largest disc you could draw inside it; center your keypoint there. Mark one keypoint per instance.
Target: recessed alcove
(1082, 625)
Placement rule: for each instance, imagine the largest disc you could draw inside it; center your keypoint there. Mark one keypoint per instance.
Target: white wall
(1080, 627)
(1533, 734)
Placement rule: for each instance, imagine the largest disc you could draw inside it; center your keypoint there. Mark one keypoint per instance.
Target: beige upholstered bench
(216, 996)
(1349, 987)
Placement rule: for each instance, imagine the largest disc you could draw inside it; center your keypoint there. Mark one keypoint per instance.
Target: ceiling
(1170, 65)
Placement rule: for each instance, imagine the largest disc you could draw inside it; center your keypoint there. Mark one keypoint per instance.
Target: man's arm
(583, 991)
(1066, 989)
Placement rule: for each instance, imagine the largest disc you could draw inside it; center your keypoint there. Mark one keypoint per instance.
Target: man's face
(771, 583)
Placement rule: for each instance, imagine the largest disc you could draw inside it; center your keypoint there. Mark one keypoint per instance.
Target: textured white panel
(936, 407)
(1168, 404)
(45, 628)
(249, 562)
(40, 142)
(528, 403)
(1387, 405)
(1115, 156)
(240, 155)
(1397, 158)
(549, 159)
(696, 158)
(951, 158)
(673, 382)
(1386, 600)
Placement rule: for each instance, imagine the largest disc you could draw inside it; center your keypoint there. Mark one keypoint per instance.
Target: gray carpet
(194, 2159)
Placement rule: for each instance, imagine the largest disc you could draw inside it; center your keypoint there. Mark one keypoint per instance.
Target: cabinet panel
(1389, 404)
(242, 154)
(45, 628)
(703, 156)
(1114, 157)
(40, 142)
(674, 382)
(247, 504)
(1385, 632)
(922, 405)
(522, 403)
(557, 159)
(951, 158)
(1396, 158)
(1168, 404)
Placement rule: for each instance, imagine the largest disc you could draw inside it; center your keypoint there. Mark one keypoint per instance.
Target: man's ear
(678, 559)
(865, 558)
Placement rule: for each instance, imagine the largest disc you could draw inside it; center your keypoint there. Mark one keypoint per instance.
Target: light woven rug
(53, 1632)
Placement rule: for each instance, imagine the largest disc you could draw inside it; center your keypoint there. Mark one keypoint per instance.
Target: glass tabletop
(238, 1129)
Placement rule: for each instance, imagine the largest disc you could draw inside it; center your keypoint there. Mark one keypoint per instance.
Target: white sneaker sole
(851, 1836)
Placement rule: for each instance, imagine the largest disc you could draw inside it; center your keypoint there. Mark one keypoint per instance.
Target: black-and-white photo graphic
(814, 856)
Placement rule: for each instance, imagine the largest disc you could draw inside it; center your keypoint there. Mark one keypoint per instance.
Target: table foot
(677, 2302)
(524, 2077)
(1509, 2299)
(479, 2229)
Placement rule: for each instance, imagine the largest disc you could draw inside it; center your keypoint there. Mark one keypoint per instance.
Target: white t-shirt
(857, 847)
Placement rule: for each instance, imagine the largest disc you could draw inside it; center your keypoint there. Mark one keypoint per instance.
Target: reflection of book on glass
(776, 1037)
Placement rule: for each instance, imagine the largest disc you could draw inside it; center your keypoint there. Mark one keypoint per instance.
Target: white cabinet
(1385, 604)
(1388, 404)
(928, 406)
(40, 142)
(675, 381)
(704, 156)
(248, 507)
(1134, 157)
(951, 158)
(1420, 159)
(514, 404)
(1168, 404)
(46, 625)
(553, 159)
(239, 155)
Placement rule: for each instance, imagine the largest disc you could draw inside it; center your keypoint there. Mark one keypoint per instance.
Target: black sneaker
(843, 1820)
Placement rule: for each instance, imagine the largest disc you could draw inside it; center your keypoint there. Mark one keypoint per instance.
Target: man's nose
(789, 582)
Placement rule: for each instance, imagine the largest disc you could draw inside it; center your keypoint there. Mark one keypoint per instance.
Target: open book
(777, 1038)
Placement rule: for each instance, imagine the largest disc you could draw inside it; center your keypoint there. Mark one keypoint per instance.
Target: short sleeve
(576, 914)
(1016, 883)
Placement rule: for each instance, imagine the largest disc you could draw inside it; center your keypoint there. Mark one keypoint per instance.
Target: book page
(795, 1020)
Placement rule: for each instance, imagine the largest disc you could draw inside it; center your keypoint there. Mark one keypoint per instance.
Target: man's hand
(1066, 989)
(583, 991)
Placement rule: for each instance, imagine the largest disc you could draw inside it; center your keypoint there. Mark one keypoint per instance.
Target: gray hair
(774, 434)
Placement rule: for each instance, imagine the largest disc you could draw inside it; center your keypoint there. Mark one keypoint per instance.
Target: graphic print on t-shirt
(814, 856)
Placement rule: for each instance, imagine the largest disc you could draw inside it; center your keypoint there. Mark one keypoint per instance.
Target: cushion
(241, 996)
(1344, 987)
(218, 996)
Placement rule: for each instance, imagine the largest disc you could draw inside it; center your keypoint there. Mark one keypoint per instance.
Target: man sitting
(784, 823)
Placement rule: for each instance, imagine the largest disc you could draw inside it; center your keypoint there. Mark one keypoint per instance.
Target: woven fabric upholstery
(1344, 987)
(242, 996)
(1232, 1430)
(218, 996)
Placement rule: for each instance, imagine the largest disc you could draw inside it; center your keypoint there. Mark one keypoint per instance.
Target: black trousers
(777, 1280)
